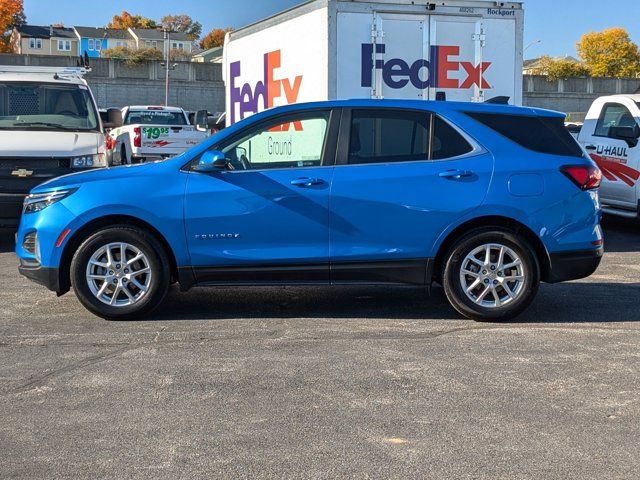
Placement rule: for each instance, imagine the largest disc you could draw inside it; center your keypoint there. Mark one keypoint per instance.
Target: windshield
(154, 117)
(43, 106)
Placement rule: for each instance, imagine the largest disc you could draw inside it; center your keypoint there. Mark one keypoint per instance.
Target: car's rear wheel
(491, 274)
(120, 272)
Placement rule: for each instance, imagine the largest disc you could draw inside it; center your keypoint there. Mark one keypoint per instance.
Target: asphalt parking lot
(325, 383)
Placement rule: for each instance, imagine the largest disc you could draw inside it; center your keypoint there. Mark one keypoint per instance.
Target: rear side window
(540, 134)
(382, 136)
(388, 136)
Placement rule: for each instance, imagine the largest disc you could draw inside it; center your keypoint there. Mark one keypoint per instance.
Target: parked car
(610, 135)
(49, 126)
(152, 133)
(488, 200)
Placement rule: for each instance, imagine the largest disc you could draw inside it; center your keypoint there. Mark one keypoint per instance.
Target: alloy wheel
(119, 274)
(492, 275)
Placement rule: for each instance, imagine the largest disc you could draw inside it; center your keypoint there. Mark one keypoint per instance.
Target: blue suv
(487, 200)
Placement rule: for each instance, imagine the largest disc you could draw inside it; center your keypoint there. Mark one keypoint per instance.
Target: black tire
(454, 262)
(158, 263)
(123, 156)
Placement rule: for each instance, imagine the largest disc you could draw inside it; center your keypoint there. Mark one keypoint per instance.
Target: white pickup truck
(152, 133)
(610, 135)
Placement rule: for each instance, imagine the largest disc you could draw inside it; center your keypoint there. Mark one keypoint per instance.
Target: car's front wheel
(120, 272)
(491, 274)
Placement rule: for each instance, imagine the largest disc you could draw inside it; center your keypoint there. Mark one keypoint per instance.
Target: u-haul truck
(335, 49)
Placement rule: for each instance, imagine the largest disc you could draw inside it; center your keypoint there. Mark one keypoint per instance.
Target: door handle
(306, 182)
(456, 174)
(590, 147)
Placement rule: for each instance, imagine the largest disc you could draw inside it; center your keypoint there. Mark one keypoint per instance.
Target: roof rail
(60, 71)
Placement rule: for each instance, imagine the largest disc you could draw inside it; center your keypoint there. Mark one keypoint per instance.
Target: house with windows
(44, 40)
(148, 38)
(212, 55)
(94, 40)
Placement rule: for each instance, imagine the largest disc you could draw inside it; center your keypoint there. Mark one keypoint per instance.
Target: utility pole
(166, 68)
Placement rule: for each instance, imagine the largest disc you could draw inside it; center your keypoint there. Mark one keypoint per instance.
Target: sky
(552, 27)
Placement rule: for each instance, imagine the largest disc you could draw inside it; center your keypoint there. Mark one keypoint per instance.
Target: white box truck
(464, 50)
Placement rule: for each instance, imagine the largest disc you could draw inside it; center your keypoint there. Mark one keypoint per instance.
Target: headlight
(39, 201)
(88, 161)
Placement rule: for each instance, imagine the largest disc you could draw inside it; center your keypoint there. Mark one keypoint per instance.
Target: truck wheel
(120, 272)
(491, 274)
(123, 156)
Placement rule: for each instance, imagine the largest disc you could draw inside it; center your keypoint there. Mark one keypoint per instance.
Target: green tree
(561, 68)
(183, 24)
(215, 38)
(610, 53)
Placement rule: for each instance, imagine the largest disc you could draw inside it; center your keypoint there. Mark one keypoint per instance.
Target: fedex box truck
(465, 50)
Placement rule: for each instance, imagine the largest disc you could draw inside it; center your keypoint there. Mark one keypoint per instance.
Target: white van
(611, 136)
(49, 126)
(466, 50)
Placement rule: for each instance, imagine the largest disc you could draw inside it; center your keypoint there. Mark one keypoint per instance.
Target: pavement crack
(40, 380)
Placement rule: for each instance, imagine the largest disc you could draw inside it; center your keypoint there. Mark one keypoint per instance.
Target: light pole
(166, 68)
(531, 45)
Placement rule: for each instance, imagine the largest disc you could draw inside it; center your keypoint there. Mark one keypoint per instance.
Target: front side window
(293, 141)
(43, 106)
(613, 115)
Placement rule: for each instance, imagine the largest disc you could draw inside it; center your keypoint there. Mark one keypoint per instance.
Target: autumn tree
(610, 53)
(560, 68)
(215, 38)
(126, 20)
(11, 15)
(183, 24)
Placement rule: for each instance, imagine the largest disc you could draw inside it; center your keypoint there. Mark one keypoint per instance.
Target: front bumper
(573, 265)
(45, 276)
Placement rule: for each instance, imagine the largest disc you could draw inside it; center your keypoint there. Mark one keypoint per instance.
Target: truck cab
(610, 135)
(49, 126)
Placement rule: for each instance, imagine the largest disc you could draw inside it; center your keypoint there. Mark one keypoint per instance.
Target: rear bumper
(45, 276)
(565, 266)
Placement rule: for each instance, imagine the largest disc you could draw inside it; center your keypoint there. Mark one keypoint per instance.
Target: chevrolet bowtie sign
(22, 172)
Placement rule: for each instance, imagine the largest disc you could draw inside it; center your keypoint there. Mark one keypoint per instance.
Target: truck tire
(491, 274)
(123, 156)
(120, 272)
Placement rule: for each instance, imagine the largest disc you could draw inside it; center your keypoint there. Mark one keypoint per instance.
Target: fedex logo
(252, 99)
(423, 73)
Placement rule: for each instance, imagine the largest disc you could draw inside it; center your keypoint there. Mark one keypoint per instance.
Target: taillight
(137, 140)
(586, 177)
(109, 143)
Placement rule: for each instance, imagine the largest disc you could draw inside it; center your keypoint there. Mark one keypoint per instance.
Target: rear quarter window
(540, 134)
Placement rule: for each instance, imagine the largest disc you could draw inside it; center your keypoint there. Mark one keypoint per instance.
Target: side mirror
(628, 134)
(211, 161)
(202, 121)
(114, 118)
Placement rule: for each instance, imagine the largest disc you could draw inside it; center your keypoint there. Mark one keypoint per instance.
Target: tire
(509, 292)
(123, 156)
(140, 292)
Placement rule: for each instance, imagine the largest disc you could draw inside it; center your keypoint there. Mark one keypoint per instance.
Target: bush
(177, 55)
(561, 69)
(133, 56)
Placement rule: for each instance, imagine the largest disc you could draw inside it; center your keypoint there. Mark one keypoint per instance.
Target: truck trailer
(463, 50)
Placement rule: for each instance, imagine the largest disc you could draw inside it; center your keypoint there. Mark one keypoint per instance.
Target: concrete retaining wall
(192, 86)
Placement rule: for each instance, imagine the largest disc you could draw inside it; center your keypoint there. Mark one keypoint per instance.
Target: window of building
(98, 45)
(64, 45)
(91, 44)
(151, 43)
(177, 45)
(35, 43)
